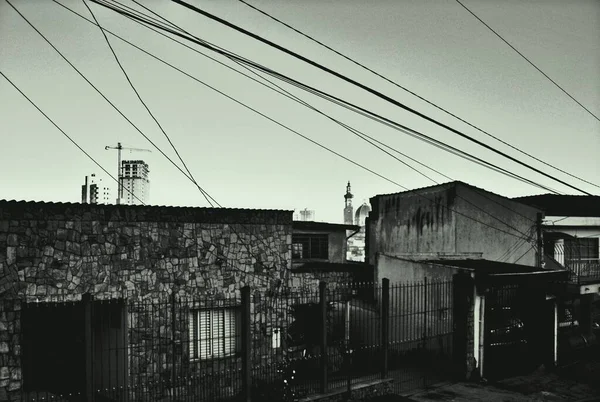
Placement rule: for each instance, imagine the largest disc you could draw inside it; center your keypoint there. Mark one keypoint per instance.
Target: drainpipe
(555, 332)
(481, 334)
(476, 324)
(348, 237)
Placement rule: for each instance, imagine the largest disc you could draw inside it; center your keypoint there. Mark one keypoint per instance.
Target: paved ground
(576, 383)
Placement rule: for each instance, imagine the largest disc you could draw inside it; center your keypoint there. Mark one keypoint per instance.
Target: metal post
(425, 307)
(87, 300)
(173, 345)
(385, 325)
(246, 345)
(323, 305)
(424, 334)
(540, 240)
(346, 349)
(125, 346)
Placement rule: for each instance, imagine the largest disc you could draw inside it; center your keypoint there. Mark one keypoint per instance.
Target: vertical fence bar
(385, 317)
(89, 364)
(246, 346)
(425, 325)
(323, 305)
(173, 346)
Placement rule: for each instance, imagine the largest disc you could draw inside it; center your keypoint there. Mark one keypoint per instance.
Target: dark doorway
(53, 340)
(54, 349)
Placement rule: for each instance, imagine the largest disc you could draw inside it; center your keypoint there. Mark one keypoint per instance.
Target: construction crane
(119, 147)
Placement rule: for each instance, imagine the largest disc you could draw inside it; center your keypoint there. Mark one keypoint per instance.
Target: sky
(434, 48)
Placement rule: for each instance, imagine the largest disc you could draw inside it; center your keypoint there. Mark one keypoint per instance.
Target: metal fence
(246, 346)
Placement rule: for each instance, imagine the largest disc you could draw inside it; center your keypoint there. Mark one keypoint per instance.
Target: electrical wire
(395, 183)
(104, 169)
(411, 92)
(191, 177)
(530, 62)
(370, 90)
(330, 97)
(354, 131)
(235, 100)
(204, 193)
(97, 90)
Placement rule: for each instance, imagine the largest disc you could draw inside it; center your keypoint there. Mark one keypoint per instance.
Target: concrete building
(306, 215)
(356, 242)
(135, 183)
(489, 247)
(93, 191)
(452, 220)
(571, 231)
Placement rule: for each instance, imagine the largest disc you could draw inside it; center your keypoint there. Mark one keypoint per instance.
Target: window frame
(203, 342)
(310, 246)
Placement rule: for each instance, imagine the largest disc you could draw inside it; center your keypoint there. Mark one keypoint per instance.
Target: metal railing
(247, 346)
(583, 269)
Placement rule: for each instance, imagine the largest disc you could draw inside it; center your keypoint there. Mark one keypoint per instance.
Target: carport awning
(503, 271)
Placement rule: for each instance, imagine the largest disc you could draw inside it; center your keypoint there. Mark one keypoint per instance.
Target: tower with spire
(348, 209)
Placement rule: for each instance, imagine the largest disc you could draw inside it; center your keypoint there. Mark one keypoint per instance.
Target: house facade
(489, 246)
(161, 286)
(571, 231)
(452, 220)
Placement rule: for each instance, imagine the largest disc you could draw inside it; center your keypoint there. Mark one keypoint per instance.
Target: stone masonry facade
(58, 252)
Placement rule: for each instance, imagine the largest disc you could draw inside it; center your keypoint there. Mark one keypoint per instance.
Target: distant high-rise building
(93, 191)
(135, 186)
(305, 215)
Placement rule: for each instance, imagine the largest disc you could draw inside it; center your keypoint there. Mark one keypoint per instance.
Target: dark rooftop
(12, 209)
(488, 267)
(325, 226)
(444, 185)
(564, 205)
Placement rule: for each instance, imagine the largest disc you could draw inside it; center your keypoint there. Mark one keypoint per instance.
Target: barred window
(581, 249)
(214, 333)
(306, 246)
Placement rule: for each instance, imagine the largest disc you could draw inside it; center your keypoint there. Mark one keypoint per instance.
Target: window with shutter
(213, 333)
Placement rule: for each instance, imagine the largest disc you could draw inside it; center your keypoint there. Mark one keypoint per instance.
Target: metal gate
(517, 329)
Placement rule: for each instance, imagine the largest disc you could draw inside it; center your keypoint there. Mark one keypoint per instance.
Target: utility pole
(119, 147)
(540, 240)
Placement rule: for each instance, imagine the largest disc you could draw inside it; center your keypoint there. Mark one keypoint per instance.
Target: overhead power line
(371, 115)
(118, 110)
(96, 89)
(528, 61)
(411, 92)
(260, 277)
(370, 90)
(524, 236)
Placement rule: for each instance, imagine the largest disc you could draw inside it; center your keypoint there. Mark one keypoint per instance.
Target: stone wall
(10, 350)
(59, 252)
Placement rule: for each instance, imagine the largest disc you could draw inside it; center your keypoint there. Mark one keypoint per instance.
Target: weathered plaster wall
(412, 222)
(480, 216)
(399, 270)
(337, 246)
